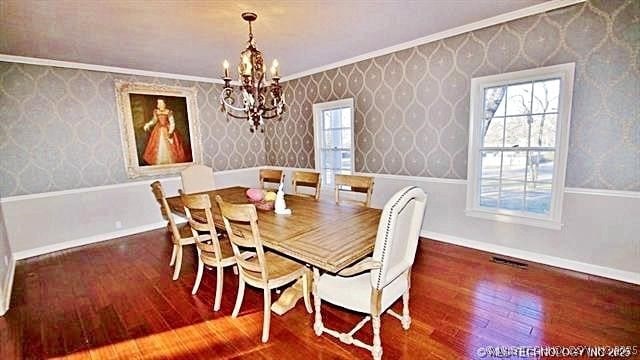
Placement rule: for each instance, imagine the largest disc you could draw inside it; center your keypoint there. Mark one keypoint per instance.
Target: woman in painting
(165, 145)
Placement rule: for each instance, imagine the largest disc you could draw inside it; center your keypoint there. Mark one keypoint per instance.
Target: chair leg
(317, 325)
(173, 255)
(176, 271)
(406, 319)
(239, 297)
(266, 323)
(376, 351)
(305, 291)
(219, 283)
(196, 285)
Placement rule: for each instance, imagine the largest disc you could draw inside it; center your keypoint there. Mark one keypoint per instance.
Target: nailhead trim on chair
(386, 235)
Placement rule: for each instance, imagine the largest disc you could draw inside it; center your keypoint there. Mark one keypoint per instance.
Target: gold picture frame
(159, 128)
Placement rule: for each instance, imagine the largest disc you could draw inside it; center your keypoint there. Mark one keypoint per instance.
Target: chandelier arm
(229, 106)
(267, 117)
(244, 117)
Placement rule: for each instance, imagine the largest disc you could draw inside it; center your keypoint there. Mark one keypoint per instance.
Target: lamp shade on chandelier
(261, 100)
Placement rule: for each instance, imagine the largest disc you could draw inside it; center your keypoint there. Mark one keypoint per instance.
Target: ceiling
(194, 37)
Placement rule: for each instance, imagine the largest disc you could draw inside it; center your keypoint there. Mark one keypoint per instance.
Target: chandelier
(261, 100)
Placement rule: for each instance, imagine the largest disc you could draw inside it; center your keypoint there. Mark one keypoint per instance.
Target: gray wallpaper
(412, 106)
(59, 129)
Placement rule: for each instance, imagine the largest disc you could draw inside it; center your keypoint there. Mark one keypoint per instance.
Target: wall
(412, 106)
(59, 129)
(83, 216)
(412, 115)
(7, 267)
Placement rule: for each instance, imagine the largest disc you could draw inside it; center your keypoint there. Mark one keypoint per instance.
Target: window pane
(538, 197)
(345, 160)
(332, 118)
(545, 96)
(327, 176)
(519, 99)
(543, 131)
(493, 130)
(326, 119)
(540, 166)
(494, 102)
(333, 138)
(491, 164)
(512, 195)
(514, 165)
(327, 159)
(489, 192)
(516, 132)
(346, 138)
(346, 118)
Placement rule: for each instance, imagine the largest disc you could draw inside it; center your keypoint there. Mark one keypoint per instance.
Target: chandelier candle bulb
(225, 64)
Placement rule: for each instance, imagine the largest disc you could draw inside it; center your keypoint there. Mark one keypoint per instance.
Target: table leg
(318, 327)
(289, 298)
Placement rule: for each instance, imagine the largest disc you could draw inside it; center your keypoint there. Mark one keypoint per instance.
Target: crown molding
(499, 19)
(502, 18)
(104, 68)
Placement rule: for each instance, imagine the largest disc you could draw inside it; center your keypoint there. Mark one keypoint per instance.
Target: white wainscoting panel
(41, 223)
(600, 233)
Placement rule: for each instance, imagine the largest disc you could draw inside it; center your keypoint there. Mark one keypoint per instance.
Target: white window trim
(554, 220)
(317, 126)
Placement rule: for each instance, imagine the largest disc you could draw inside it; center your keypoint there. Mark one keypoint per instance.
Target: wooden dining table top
(321, 233)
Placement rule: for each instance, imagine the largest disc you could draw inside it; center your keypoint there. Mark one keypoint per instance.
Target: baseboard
(610, 273)
(8, 286)
(86, 240)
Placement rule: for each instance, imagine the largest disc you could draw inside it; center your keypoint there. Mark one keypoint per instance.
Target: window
(519, 131)
(333, 133)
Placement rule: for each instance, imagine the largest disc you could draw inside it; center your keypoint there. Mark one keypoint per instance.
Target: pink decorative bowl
(263, 205)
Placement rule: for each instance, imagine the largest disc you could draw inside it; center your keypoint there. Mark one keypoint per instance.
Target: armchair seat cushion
(354, 292)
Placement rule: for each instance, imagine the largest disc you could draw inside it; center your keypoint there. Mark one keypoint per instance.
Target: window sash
(553, 181)
(328, 162)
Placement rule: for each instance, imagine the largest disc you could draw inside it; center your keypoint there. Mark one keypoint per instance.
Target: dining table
(322, 234)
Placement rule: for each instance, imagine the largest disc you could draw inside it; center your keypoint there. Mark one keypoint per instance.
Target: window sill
(514, 219)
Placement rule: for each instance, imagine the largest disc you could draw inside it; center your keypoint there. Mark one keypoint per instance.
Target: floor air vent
(503, 261)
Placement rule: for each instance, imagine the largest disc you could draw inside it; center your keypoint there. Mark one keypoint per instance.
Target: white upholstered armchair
(374, 284)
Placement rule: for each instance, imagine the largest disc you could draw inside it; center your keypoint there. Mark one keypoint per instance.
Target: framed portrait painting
(159, 128)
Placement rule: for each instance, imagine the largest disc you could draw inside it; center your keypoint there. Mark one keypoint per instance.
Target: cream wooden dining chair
(181, 235)
(270, 176)
(213, 251)
(374, 284)
(197, 178)
(310, 179)
(354, 184)
(266, 270)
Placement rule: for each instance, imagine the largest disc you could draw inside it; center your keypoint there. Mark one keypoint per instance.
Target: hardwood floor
(117, 300)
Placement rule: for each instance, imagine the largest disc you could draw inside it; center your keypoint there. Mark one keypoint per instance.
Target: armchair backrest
(398, 234)
(197, 178)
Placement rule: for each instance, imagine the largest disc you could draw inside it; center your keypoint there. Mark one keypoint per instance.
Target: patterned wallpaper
(59, 129)
(412, 106)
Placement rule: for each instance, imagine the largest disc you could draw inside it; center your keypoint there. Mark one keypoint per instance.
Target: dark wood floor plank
(116, 300)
